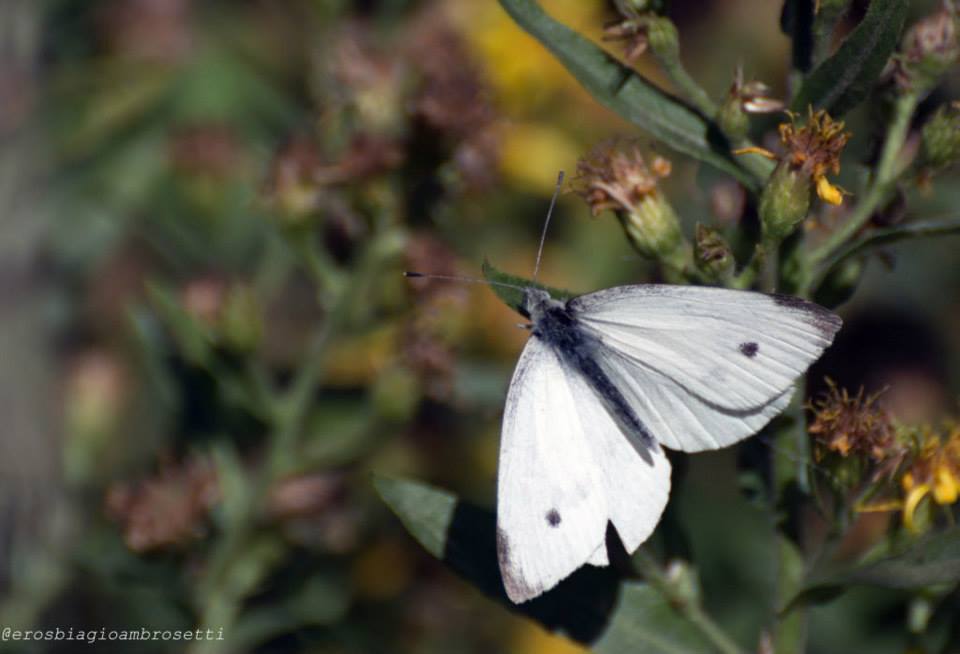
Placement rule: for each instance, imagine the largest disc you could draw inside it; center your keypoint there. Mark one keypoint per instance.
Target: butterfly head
(535, 302)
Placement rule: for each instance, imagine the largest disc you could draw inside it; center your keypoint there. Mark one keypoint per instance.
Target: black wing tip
(825, 320)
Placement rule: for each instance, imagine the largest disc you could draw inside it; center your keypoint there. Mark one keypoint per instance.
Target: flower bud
(941, 138)
(784, 203)
(683, 579)
(653, 228)
(929, 49)
(733, 120)
(662, 37)
(712, 254)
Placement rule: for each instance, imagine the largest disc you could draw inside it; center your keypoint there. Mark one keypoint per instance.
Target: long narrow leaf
(842, 81)
(933, 561)
(622, 90)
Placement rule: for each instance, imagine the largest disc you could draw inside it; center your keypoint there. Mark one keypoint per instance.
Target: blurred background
(208, 348)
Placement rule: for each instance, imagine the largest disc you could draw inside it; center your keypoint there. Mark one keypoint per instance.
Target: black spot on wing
(749, 349)
(553, 518)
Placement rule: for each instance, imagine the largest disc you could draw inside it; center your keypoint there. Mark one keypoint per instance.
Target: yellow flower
(814, 149)
(916, 494)
(945, 485)
(934, 471)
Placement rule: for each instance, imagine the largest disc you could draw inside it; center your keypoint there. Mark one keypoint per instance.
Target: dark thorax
(557, 326)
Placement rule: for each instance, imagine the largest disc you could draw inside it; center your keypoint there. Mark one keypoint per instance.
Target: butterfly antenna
(546, 224)
(459, 278)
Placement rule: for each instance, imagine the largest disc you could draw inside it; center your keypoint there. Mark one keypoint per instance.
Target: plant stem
(690, 610)
(790, 459)
(886, 176)
(688, 86)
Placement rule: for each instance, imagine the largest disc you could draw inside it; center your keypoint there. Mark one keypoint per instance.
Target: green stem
(770, 271)
(790, 461)
(688, 86)
(690, 610)
(884, 180)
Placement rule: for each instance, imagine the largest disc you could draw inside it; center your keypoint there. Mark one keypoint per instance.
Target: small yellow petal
(907, 481)
(756, 150)
(828, 192)
(911, 503)
(879, 507)
(945, 487)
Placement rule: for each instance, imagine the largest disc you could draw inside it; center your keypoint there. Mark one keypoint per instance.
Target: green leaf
(591, 606)
(513, 297)
(796, 21)
(843, 80)
(933, 561)
(623, 91)
(644, 622)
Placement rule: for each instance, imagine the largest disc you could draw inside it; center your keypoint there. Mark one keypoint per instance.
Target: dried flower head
(617, 177)
(370, 79)
(753, 97)
(632, 33)
(451, 96)
(299, 174)
(852, 425)
(165, 510)
(814, 150)
(711, 253)
(743, 99)
(929, 48)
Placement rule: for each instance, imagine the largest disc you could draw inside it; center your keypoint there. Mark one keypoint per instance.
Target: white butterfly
(609, 378)
(604, 382)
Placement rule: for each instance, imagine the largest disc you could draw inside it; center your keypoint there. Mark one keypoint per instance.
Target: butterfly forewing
(733, 349)
(704, 367)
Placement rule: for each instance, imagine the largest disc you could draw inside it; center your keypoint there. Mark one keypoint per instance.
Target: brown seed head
(852, 425)
(814, 148)
(617, 177)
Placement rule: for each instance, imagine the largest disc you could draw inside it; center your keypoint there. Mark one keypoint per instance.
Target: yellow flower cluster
(813, 150)
(934, 472)
(924, 459)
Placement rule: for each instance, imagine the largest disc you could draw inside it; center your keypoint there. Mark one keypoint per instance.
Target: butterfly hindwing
(565, 470)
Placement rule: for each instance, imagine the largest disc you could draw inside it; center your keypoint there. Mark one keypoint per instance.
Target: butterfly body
(556, 325)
